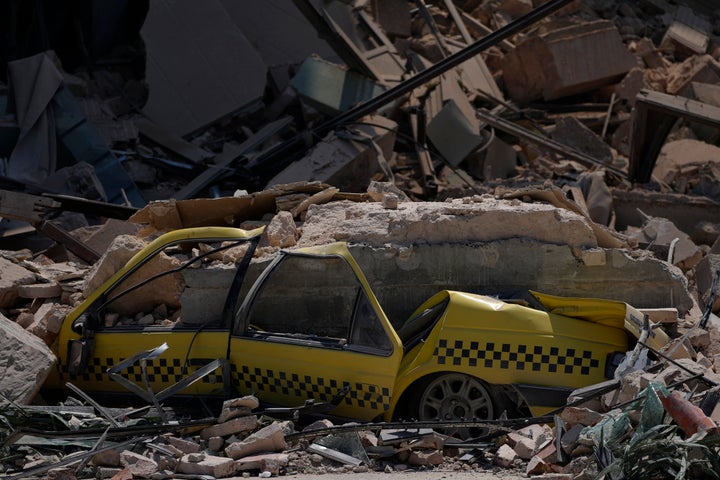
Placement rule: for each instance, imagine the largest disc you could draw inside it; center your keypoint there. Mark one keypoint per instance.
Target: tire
(456, 396)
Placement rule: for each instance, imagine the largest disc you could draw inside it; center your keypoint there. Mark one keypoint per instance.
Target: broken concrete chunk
(231, 427)
(139, 465)
(12, 276)
(25, 363)
(347, 159)
(505, 456)
(565, 62)
(668, 242)
(270, 439)
(165, 290)
(217, 467)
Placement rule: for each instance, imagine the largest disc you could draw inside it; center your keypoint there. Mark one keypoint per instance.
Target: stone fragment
(569, 440)
(25, 363)
(668, 242)
(12, 276)
(505, 456)
(267, 439)
(139, 465)
(108, 458)
(236, 425)
(218, 467)
(282, 231)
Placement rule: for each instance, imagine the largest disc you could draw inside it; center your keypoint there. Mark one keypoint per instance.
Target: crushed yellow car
(310, 328)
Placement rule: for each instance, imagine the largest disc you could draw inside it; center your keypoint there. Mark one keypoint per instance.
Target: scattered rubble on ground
(577, 155)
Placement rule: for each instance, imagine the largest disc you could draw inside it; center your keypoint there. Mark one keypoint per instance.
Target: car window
(315, 299)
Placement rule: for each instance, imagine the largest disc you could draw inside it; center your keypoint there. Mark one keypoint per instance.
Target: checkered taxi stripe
(362, 395)
(515, 357)
(249, 379)
(165, 370)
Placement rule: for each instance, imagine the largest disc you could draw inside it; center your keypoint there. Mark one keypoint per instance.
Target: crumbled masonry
(576, 152)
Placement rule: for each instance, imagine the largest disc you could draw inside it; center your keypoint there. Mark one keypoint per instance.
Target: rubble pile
(577, 155)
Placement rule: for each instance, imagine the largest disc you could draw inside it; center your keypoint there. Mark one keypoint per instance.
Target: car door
(159, 319)
(311, 329)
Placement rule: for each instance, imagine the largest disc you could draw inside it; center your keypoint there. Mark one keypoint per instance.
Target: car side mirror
(79, 352)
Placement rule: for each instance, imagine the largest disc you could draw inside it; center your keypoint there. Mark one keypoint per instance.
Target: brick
(236, 425)
(218, 467)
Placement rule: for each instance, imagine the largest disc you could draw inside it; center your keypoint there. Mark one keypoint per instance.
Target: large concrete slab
(25, 362)
(492, 247)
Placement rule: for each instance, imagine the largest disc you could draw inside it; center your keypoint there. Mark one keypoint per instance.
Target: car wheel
(456, 396)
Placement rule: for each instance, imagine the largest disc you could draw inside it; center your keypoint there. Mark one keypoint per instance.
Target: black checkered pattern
(164, 370)
(514, 357)
(258, 380)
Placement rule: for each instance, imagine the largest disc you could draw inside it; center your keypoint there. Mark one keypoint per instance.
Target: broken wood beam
(74, 245)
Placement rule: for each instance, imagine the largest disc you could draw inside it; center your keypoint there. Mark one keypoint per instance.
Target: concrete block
(236, 425)
(566, 61)
(12, 276)
(218, 467)
(268, 439)
(25, 363)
